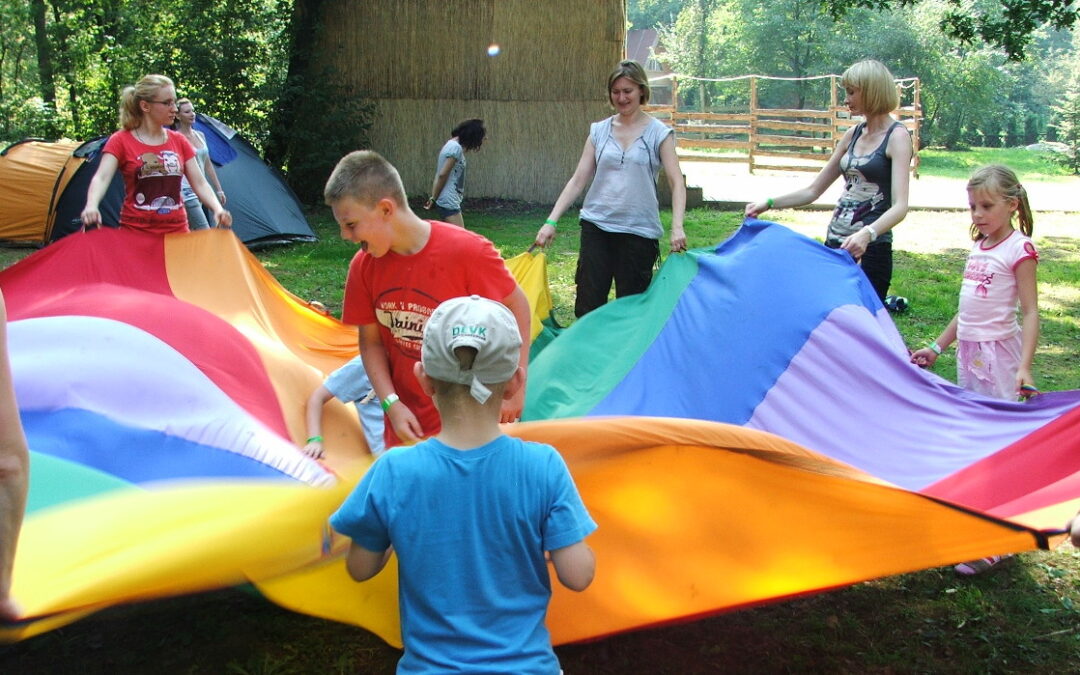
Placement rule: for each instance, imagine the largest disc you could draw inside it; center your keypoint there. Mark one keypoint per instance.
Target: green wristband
(315, 439)
(935, 347)
(389, 401)
(551, 222)
(769, 202)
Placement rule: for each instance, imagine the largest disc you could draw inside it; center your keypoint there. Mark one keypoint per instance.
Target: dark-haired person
(620, 219)
(448, 188)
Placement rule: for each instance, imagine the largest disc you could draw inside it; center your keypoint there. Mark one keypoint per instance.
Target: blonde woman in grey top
(620, 220)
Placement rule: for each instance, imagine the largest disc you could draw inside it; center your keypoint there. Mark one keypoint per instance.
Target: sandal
(980, 566)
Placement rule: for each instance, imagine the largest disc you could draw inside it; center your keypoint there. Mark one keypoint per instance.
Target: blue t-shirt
(470, 529)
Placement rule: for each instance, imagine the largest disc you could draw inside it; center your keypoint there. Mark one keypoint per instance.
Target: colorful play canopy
(747, 430)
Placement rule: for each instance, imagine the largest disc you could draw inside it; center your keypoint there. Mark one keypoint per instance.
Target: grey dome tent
(264, 208)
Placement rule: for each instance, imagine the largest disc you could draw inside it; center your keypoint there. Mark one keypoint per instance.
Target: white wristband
(872, 231)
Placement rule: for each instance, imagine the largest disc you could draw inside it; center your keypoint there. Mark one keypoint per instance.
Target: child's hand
(1025, 384)
(405, 424)
(924, 358)
(314, 449)
(511, 408)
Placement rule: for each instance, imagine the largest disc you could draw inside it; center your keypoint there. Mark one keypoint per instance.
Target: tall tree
(1008, 24)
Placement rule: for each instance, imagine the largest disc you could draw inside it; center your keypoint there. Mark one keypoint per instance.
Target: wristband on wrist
(389, 401)
(935, 347)
(769, 202)
(552, 222)
(314, 439)
(872, 231)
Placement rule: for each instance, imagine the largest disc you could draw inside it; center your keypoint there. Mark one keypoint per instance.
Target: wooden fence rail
(803, 138)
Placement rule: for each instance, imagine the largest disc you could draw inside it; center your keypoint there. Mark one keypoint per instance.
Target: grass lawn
(1023, 618)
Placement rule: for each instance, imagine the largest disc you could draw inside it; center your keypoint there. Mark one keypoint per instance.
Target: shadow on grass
(1021, 618)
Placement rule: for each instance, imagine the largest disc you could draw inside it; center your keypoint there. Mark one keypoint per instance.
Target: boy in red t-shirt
(406, 266)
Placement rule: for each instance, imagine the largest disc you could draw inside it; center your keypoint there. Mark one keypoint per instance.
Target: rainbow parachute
(756, 390)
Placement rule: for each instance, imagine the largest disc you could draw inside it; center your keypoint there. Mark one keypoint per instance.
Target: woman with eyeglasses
(152, 159)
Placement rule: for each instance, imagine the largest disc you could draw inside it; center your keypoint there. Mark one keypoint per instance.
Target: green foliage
(1067, 116)
(1009, 25)
(961, 164)
(226, 56)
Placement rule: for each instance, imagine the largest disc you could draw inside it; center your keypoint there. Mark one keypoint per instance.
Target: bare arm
(14, 473)
(575, 565)
(363, 564)
(586, 169)
(377, 366)
(99, 185)
(1027, 288)
(518, 304)
(206, 195)
(678, 192)
(1074, 530)
(824, 178)
(211, 173)
(313, 416)
(440, 180)
(925, 357)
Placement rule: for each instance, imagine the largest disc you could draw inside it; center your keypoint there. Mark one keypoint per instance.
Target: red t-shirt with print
(151, 174)
(399, 292)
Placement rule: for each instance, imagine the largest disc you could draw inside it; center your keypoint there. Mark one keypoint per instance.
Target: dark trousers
(876, 264)
(626, 259)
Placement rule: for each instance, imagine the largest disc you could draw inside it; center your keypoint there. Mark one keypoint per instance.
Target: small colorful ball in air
(494, 49)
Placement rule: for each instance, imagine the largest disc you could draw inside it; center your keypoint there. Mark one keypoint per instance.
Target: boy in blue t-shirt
(471, 511)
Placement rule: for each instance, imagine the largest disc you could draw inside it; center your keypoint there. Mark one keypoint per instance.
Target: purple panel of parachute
(773, 331)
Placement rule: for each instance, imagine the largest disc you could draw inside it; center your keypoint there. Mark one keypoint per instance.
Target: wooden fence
(786, 139)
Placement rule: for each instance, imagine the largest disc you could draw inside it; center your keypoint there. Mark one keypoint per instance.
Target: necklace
(143, 140)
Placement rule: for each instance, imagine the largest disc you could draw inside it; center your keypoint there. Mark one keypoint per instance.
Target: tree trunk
(303, 33)
(44, 54)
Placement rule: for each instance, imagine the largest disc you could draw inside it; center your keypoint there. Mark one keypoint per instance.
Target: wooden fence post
(753, 121)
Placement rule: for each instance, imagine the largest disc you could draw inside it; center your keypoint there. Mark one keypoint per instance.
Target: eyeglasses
(171, 103)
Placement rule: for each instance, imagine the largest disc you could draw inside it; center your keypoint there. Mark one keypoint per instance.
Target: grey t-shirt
(622, 197)
(454, 190)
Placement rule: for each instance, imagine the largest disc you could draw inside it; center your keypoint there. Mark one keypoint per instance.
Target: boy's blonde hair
(878, 87)
(451, 393)
(146, 89)
(632, 71)
(1000, 180)
(367, 177)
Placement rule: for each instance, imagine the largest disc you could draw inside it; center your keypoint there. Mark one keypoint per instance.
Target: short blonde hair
(367, 177)
(1000, 180)
(878, 87)
(632, 71)
(146, 89)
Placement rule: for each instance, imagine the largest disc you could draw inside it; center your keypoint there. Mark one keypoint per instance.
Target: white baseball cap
(486, 326)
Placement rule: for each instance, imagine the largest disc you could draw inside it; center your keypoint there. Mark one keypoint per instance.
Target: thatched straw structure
(426, 65)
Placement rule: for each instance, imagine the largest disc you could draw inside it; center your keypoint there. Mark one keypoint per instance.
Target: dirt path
(733, 183)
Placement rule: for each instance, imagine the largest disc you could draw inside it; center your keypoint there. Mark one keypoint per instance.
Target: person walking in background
(448, 188)
(994, 352)
(471, 512)
(620, 219)
(152, 159)
(874, 157)
(14, 474)
(185, 125)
